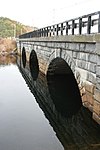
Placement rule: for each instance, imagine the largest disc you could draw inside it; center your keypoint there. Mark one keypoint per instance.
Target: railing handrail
(66, 26)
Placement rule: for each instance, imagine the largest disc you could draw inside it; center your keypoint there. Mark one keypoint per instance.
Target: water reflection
(80, 132)
(23, 125)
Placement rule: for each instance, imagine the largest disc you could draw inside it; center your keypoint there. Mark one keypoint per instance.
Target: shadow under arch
(34, 66)
(63, 87)
(24, 57)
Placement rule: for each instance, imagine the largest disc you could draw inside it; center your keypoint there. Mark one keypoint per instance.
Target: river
(25, 124)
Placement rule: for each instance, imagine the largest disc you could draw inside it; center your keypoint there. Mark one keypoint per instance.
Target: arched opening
(24, 57)
(63, 87)
(33, 63)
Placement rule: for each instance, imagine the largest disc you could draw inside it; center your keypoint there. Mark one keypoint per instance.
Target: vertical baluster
(37, 33)
(89, 25)
(73, 26)
(47, 31)
(53, 29)
(61, 28)
(50, 30)
(44, 31)
(57, 29)
(99, 23)
(40, 33)
(80, 26)
(66, 28)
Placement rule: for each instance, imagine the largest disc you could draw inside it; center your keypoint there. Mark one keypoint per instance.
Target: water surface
(29, 118)
(23, 125)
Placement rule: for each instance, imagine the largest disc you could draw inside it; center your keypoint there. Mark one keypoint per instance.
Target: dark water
(29, 119)
(23, 125)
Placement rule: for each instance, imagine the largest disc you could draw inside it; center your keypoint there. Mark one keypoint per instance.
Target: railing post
(44, 32)
(73, 26)
(89, 25)
(80, 26)
(50, 30)
(40, 32)
(99, 23)
(57, 29)
(53, 29)
(66, 28)
(47, 31)
(61, 28)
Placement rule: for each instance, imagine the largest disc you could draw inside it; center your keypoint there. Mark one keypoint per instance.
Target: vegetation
(11, 28)
(7, 45)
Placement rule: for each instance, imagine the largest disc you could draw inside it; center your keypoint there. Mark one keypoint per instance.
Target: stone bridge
(71, 63)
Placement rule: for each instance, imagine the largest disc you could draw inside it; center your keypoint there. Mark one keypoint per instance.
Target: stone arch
(24, 57)
(33, 64)
(64, 55)
(63, 87)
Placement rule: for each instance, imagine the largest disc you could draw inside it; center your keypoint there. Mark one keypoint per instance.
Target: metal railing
(72, 26)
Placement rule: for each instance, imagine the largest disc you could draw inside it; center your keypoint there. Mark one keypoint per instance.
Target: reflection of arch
(33, 63)
(63, 87)
(24, 57)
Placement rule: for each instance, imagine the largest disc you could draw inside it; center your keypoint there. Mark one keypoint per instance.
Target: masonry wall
(82, 53)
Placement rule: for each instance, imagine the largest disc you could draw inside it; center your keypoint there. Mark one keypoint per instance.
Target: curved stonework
(61, 53)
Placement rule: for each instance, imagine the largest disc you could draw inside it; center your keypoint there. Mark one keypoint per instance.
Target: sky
(42, 13)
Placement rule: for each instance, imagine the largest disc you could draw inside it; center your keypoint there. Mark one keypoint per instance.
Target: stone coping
(88, 38)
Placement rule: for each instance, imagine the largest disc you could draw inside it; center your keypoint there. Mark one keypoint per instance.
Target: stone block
(96, 107)
(84, 65)
(91, 48)
(92, 67)
(90, 98)
(89, 87)
(93, 58)
(84, 98)
(62, 45)
(98, 83)
(59, 45)
(97, 95)
(98, 48)
(58, 52)
(77, 46)
(49, 44)
(83, 56)
(82, 47)
(69, 53)
(98, 71)
(98, 60)
(72, 46)
(78, 63)
(66, 45)
(74, 54)
(96, 118)
(91, 77)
